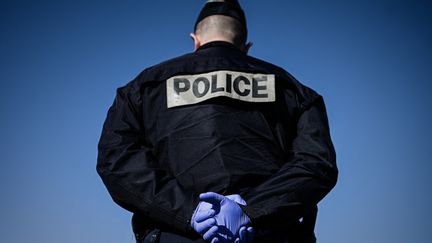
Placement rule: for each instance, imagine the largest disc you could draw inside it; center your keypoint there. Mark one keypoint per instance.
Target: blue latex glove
(229, 217)
(245, 233)
(203, 222)
(202, 219)
(237, 198)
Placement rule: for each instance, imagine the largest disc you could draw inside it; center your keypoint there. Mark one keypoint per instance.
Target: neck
(218, 38)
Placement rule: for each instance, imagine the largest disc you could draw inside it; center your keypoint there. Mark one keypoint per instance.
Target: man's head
(221, 20)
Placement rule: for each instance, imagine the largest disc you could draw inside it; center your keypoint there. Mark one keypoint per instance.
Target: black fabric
(229, 8)
(152, 237)
(278, 156)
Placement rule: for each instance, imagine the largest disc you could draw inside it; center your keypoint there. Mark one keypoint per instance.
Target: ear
(197, 41)
(247, 47)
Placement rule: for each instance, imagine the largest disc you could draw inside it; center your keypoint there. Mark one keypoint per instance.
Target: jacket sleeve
(302, 181)
(131, 172)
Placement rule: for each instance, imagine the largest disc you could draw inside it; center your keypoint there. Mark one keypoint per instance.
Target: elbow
(327, 173)
(103, 173)
(103, 166)
(100, 169)
(331, 175)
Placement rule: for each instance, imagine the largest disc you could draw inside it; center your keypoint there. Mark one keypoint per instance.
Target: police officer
(216, 145)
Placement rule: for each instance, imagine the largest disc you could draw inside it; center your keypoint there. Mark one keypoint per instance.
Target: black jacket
(277, 155)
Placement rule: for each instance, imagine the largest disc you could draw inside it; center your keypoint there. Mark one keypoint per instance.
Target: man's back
(219, 120)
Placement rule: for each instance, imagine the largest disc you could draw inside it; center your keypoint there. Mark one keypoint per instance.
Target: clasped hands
(220, 219)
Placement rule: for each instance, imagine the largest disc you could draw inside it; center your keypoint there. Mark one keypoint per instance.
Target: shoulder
(155, 74)
(165, 69)
(288, 83)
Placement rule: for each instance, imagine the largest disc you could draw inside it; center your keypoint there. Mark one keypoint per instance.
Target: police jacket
(222, 121)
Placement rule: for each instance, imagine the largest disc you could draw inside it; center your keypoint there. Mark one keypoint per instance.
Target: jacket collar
(217, 44)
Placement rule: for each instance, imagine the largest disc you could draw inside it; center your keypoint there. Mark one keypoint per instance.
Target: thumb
(212, 197)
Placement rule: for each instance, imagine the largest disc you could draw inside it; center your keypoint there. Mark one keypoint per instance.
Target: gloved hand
(237, 198)
(204, 223)
(245, 233)
(202, 220)
(229, 217)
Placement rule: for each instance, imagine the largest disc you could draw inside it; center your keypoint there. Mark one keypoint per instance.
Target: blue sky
(61, 61)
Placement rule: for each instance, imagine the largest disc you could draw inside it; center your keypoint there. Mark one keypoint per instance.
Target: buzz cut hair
(226, 26)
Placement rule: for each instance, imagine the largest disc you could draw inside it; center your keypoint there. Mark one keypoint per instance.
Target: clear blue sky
(61, 61)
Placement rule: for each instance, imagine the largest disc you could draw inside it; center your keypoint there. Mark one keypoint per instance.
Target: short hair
(226, 26)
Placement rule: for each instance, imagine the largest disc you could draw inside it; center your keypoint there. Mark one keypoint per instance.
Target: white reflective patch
(192, 89)
(215, 1)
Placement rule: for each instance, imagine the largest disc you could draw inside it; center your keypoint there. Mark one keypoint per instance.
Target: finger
(243, 233)
(237, 240)
(215, 240)
(212, 197)
(250, 234)
(204, 226)
(204, 215)
(201, 207)
(211, 233)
